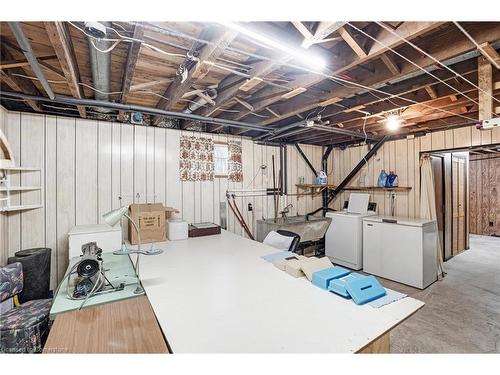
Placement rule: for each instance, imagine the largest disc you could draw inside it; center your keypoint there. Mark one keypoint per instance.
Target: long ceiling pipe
(25, 45)
(136, 108)
(100, 65)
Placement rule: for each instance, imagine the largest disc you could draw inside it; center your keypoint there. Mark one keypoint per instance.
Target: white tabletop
(215, 294)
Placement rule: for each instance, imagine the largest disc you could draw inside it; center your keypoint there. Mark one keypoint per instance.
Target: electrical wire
(402, 98)
(37, 79)
(325, 75)
(413, 63)
(437, 61)
(108, 49)
(475, 43)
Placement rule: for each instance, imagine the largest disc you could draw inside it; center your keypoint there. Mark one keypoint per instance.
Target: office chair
(23, 328)
(294, 246)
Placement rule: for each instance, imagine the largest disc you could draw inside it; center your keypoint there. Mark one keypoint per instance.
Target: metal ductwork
(100, 64)
(25, 45)
(198, 103)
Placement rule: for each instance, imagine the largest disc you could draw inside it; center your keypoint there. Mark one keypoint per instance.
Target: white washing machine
(344, 238)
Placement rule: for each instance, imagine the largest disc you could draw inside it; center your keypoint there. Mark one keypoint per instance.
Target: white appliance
(344, 239)
(108, 238)
(400, 249)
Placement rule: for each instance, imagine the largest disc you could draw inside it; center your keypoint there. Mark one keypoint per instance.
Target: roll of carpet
(36, 273)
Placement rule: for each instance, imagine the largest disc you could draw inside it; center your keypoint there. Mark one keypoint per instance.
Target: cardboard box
(169, 211)
(150, 218)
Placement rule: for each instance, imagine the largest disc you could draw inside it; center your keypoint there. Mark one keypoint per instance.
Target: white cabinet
(344, 240)
(107, 238)
(400, 249)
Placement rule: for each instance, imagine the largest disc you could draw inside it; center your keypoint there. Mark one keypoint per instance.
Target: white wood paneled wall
(88, 164)
(402, 156)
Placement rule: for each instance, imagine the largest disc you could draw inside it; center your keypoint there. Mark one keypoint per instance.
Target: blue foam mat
(365, 289)
(276, 256)
(390, 297)
(323, 278)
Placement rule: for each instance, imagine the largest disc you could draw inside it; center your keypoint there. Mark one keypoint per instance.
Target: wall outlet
(250, 207)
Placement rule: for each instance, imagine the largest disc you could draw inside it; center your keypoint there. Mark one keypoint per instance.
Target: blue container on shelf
(382, 178)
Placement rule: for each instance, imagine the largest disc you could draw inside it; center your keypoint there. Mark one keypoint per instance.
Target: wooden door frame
(443, 187)
(466, 197)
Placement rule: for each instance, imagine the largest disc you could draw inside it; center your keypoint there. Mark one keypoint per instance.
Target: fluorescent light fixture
(305, 57)
(393, 122)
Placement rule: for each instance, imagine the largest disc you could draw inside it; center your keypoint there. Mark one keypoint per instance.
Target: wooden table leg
(379, 346)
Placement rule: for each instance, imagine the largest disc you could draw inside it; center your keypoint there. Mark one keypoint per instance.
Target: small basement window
(221, 157)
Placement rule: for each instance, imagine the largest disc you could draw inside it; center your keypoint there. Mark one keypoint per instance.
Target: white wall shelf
(21, 169)
(20, 188)
(24, 202)
(20, 207)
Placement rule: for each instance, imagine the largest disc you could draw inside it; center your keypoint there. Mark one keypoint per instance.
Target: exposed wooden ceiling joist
(20, 63)
(409, 30)
(490, 53)
(206, 53)
(18, 84)
(63, 46)
(352, 42)
(452, 48)
(132, 56)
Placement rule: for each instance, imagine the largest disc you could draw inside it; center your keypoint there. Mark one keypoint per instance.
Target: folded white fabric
(282, 264)
(313, 264)
(278, 241)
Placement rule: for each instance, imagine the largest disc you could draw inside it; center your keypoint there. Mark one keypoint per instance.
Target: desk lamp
(112, 218)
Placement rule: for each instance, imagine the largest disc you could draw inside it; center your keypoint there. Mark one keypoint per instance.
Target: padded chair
(283, 240)
(294, 246)
(23, 328)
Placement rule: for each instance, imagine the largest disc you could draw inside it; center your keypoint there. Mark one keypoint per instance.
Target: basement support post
(311, 167)
(324, 167)
(350, 176)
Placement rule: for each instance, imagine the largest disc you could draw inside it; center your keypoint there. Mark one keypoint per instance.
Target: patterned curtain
(196, 159)
(235, 168)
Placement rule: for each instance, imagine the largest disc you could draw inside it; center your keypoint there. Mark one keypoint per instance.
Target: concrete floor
(462, 311)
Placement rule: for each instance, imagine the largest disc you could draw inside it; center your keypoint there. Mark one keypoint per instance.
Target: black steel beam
(135, 108)
(332, 194)
(324, 166)
(306, 159)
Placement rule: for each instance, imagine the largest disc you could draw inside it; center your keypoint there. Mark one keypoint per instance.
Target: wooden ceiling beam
(352, 42)
(485, 83)
(60, 39)
(206, 54)
(490, 53)
(132, 57)
(431, 91)
(390, 64)
(454, 47)
(408, 30)
(21, 63)
(20, 85)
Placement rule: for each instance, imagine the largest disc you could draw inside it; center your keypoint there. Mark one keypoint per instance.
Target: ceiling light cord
(437, 61)
(413, 63)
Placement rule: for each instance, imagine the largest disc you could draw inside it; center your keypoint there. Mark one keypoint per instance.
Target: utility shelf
(21, 169)
(20, 188)
(315, 189)
(33, 187)
(20, 208)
